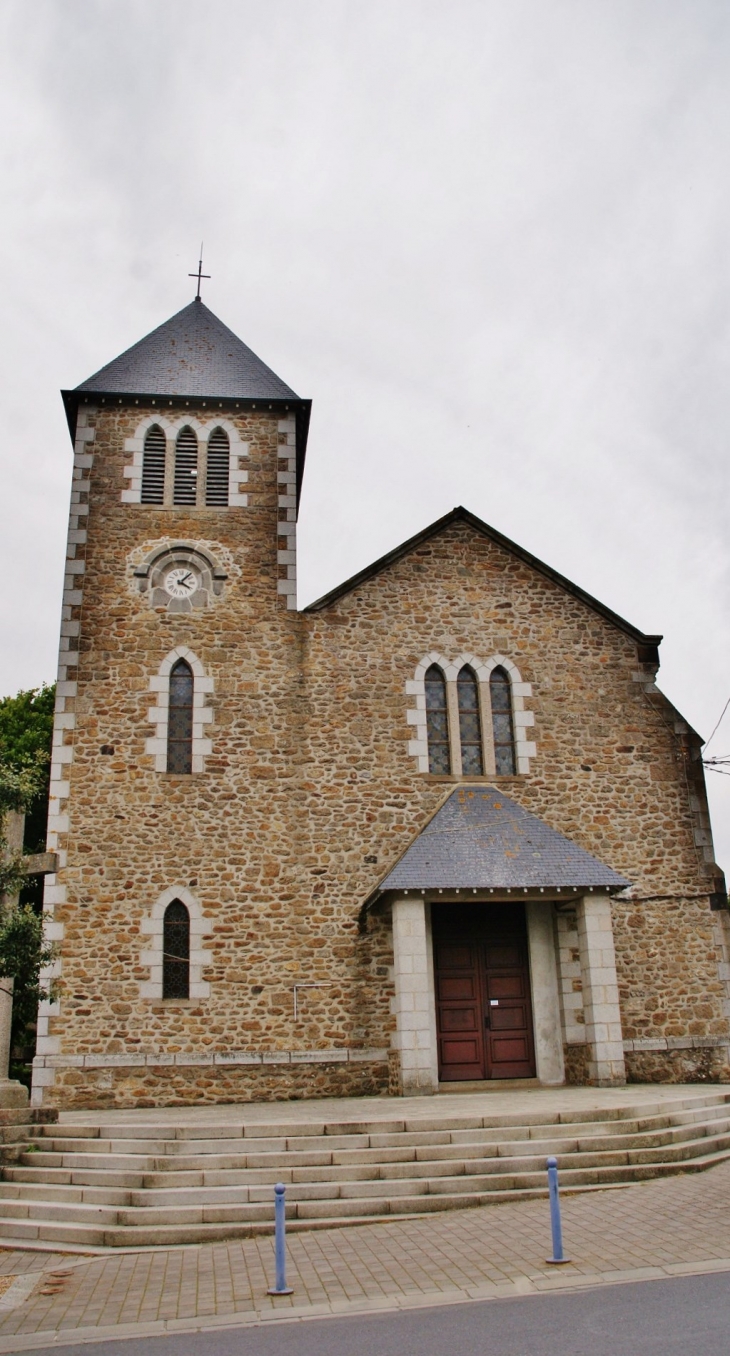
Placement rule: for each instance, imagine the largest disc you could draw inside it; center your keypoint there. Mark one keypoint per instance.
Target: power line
(714, 732)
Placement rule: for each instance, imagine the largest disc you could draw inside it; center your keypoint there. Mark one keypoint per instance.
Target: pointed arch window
(180, 719)
(502, 723)
(218, 470)
(185, 485)
(153, 467)
(176, 951)
(470, 725)
(437, 722)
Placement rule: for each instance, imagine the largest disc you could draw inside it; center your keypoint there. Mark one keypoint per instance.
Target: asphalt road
(687, 1315)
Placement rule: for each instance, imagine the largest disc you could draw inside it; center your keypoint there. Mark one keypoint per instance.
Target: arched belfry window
(180, 719)
(185, 486)
(437, 722)
(176, 951)
(502, 723)
(470, 725)
(153, 467)
(218, 470)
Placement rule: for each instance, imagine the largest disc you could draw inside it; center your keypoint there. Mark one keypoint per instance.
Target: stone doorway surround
(415, 1037)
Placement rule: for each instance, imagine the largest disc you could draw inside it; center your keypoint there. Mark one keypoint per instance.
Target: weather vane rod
(200, 274)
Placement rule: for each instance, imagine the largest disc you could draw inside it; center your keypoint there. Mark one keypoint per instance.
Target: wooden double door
(482, 980)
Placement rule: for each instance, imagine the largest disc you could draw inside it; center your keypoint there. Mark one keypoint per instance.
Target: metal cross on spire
(200, 274)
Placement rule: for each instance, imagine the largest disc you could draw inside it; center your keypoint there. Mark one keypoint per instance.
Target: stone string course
(309, 794)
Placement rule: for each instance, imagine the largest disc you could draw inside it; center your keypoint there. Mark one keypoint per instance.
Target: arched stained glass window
(217, 475)
(176, 951)
(185, 488)
(437, 722)
(180, 719)
(153, 467)
(502, 723)
(470, 725)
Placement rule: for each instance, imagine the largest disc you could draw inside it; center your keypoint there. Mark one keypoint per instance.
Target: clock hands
(181, 582)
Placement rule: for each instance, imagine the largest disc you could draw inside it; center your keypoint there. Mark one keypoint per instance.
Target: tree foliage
(26, 730)
(26, 734)
(26, 725)
(23, 953)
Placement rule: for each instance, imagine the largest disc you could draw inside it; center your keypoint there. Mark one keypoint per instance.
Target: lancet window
(470, 725)
(437, 722)
(470, 717)
(180, 719)
(502, 722)
(176, 951)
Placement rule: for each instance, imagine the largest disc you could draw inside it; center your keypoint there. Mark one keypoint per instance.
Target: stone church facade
(439, 827)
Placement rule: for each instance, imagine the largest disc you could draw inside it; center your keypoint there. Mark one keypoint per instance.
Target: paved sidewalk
(669, 1227)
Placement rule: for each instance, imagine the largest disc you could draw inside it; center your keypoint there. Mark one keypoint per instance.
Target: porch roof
(481, 839)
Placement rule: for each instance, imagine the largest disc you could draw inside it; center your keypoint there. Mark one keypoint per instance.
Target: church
(437, 829)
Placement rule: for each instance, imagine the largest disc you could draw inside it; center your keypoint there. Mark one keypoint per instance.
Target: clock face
(181, 582)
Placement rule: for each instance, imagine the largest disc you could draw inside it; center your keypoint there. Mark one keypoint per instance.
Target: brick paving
(658, 1228)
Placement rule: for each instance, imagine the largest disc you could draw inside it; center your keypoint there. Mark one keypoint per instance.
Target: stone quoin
(439, 826)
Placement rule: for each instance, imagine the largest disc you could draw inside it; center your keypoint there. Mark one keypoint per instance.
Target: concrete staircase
(109, 1183)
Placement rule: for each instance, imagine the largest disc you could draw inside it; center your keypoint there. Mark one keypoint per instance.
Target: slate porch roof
(481, 839)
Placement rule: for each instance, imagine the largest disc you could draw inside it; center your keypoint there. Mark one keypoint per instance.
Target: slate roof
(192, 354)
(482, 839)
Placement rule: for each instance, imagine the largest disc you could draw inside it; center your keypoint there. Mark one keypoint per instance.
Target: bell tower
(177, 672)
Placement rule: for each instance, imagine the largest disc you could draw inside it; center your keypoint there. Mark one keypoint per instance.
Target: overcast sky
(489, 238)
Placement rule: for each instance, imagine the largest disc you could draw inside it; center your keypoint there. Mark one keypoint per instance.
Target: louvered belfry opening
(185, 489)
(437, 722)
(176, 951)
(502, 724)
(180, 719)
(153, 467)
(216, 481)
(470, 725)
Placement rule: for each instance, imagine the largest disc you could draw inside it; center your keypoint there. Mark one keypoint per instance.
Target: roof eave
(543, 892)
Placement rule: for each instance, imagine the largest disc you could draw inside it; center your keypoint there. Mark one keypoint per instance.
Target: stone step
(243, 1145)
(64, 1176)
(308, 1214)
(47, 1191)
(278, 1163)
(287, 1129)
(127, 1183)
(329, 1181)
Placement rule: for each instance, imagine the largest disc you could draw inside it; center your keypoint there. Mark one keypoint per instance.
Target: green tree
(26, 729)
(26, 733)
(23, 953)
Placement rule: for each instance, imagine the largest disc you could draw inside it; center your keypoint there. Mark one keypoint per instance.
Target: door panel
(483, 1008)
(459, 1009)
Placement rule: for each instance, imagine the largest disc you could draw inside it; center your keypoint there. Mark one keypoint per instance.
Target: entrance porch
(477, 996)
(482, 988)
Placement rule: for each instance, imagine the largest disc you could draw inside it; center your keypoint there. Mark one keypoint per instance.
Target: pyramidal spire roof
(192, 354)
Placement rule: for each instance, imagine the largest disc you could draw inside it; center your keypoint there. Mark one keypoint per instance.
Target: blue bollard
(281, 1287)
(557, 1258)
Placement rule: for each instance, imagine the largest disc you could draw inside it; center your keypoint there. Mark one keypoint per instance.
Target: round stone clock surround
(180, 578)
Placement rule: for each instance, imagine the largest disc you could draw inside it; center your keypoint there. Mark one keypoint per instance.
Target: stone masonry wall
(609, 771)
(309, 794)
